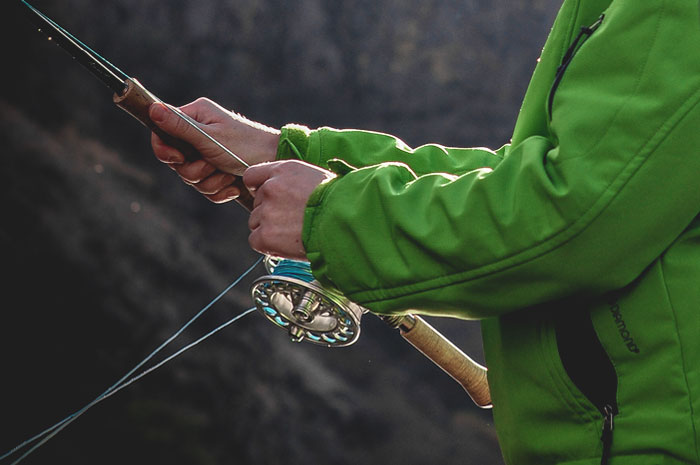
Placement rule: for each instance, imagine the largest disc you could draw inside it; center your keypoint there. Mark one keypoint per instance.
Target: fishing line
(64, 423)
(129, 377)
(288, 268)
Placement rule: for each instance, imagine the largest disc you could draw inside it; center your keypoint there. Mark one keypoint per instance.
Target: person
(577, 244)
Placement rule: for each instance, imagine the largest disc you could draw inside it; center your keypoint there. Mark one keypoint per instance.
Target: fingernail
(158, 113)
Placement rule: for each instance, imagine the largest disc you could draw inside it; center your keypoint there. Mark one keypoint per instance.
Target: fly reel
(293, 300)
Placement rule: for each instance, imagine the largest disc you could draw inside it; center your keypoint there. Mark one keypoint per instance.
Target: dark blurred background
(105, 253)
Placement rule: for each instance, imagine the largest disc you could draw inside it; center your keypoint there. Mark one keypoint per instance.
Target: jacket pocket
(590, 369)
(583, 35)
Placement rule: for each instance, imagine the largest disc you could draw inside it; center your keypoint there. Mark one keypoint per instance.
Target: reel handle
(447, 356)
(137, 100)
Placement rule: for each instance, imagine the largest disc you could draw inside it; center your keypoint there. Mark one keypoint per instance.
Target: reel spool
(293, 300)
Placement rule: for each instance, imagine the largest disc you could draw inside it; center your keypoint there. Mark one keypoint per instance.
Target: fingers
(255, 220)
(257, 180)
(165, 152)
(204, 177)
(202, 110)
(256, 175)
(218, 187)
(275, 234)
(174, 125)
(214, 183)
(281, 190)
(194, 172)
(213, 174)
(225, 195)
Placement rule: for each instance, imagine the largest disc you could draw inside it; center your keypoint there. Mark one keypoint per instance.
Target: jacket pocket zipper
(583, 34)
(606, 436)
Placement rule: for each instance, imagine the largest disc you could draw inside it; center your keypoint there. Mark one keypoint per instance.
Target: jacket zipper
(607, 434)
(584, 33)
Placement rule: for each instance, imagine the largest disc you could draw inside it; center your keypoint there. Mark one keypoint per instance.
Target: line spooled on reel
(293, 300)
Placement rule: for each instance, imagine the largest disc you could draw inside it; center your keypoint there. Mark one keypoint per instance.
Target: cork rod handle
(449, 357)
(136, 101)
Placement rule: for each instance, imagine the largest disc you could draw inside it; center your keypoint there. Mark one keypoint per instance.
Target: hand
(281, 191)
(213, 174)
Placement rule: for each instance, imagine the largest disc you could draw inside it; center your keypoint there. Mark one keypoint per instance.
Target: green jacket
(577, 244)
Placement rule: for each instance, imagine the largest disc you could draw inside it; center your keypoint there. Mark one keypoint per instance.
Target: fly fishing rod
(288, 295)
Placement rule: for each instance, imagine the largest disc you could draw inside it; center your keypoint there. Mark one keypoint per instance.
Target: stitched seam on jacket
(683, 360)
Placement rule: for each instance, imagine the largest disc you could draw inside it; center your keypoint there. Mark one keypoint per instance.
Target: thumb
(256, 175)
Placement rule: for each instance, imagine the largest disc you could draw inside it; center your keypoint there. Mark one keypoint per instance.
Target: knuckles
(269, 188)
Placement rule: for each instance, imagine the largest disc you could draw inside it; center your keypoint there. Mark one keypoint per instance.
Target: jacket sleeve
(358, 148)
(582, 209)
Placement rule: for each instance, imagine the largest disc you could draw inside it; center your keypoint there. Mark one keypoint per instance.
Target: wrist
(258, 142)
(268, 145)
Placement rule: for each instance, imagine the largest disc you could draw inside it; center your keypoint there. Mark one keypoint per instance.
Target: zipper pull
(606, 436)
(591, 29)
(585, 31)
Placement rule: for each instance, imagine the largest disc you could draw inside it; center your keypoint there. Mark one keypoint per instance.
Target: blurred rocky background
(104, 253)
